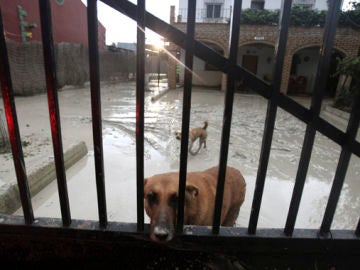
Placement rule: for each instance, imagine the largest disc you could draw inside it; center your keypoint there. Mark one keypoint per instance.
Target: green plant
(301, 16)
(350, 68)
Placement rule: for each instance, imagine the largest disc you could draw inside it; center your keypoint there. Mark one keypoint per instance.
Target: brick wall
(347, 40)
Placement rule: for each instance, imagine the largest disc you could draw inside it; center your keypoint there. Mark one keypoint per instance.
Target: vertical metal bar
(357, 230)
(344, 160)
(13, 128)
(189, 59)
(96, 109)
(319, 86)
(140, 89)
(229, 100)
(51, 84)
(280, 48)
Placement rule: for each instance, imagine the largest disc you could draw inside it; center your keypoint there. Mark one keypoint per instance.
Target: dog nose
(161, 234)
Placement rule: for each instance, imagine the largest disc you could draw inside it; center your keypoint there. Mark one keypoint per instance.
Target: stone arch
(249, 42)
(256, 57)
(303, 69)
(216, 43)
(312, 45)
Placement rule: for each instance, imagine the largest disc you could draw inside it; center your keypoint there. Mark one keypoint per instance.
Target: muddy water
(162, 153)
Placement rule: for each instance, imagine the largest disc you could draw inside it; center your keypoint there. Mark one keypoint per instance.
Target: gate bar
(273, 102)
(341, 170)
(96, 109)
(13, 128)
(140, 89)
(319, 87)
(53, 103)
(228, 109)
(189, 59)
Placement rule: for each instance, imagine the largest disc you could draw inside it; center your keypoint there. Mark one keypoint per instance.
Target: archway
(303, 71)
(258, 59)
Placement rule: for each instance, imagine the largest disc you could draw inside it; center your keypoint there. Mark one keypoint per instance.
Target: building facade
(21, 21)
(257, 46)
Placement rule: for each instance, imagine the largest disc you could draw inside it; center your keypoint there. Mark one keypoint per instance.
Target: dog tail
(205, 124)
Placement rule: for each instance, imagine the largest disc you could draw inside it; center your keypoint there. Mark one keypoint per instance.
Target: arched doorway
(303, 72)
(258, 59)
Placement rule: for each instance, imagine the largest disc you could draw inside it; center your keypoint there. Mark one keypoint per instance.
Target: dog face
(178, 135)
(160, 200)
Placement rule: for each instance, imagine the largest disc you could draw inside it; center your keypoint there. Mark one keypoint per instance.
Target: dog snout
(162, 234)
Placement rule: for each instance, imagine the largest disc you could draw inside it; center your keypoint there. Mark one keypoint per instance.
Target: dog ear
(192, 191)
(145, 181)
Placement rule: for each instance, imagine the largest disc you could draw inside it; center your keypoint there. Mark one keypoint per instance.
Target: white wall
(263, 52)
(201, 76)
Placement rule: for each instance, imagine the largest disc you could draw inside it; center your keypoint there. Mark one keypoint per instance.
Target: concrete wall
(27, 66)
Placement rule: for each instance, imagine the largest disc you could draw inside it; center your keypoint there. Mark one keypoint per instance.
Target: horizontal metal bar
(140, 93)
(96, 109)
(13, 128)
(228, 241)
(53, 103)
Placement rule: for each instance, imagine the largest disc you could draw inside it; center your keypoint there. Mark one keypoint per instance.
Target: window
(213, 10)
(257, 4)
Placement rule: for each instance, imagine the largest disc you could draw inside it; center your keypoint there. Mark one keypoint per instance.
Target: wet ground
(162, 152)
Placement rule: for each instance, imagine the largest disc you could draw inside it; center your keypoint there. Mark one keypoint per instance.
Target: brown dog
(194, 134)
(161, 193)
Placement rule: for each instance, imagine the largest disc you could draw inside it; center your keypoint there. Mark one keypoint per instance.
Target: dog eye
(173, 199)
(152, 197)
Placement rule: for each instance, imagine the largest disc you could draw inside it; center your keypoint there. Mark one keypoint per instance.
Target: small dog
(194, 134)
(161, 194)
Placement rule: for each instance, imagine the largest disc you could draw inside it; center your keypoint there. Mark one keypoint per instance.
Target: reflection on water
(162, 151)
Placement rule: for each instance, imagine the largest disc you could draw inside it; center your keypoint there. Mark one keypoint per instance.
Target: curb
(10, 199)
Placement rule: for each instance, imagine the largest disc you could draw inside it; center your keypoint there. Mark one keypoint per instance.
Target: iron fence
(251, 241)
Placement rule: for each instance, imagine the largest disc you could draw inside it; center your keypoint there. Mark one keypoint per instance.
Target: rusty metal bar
(140, 92)
(342, 167)
(13, 128)
(189, 59)
(229, 100)
(273, 103)
(319, 86)
(53, 103)
(96, 109)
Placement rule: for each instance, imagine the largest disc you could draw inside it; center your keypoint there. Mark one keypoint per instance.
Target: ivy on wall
(300, 17)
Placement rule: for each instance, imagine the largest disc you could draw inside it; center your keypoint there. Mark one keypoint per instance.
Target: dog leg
(197, 151)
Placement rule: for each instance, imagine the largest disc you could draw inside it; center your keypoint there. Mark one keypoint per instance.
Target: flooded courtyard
(162, 154)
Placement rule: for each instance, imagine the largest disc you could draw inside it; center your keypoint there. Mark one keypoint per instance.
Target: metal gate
(29, 238)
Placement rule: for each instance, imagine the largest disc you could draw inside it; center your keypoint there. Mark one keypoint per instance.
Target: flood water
(162, 154)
